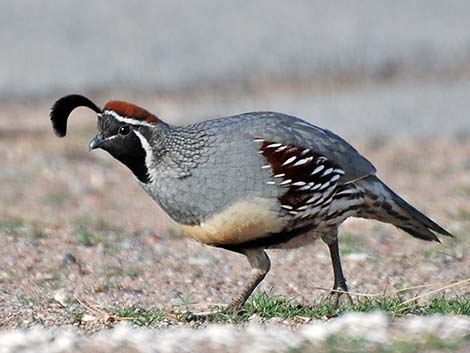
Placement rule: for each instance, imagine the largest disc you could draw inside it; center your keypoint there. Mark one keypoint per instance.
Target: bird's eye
(124, 130)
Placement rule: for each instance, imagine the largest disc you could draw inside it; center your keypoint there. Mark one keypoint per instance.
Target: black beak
(97, 142)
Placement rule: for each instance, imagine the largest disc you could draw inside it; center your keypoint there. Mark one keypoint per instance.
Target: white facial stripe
(127, 120)
(148, 155)
(111, 138)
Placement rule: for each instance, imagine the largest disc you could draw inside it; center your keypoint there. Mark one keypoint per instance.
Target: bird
(249, 182)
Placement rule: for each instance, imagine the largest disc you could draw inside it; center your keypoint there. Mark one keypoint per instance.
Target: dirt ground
(75, 224)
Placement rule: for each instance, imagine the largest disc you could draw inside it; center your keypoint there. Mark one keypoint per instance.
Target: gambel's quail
(249, 182)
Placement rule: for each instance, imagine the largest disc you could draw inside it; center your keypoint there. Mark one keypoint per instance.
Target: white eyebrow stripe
(127, 120)
(111, 137)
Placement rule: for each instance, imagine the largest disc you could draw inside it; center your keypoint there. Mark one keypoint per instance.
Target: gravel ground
(354, 332)
(99, 237)
(74, 224)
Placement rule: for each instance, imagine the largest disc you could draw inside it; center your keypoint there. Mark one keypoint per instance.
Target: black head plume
(61, 110)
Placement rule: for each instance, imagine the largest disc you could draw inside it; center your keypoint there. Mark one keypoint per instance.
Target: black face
(121, 141)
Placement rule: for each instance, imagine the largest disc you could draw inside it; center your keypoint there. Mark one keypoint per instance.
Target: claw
(339, 296)
(189, 316)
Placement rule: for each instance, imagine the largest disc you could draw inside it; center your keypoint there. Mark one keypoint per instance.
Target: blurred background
(358, 67)
(391, 76)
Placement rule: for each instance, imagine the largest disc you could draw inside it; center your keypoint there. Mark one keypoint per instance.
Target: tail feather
(391, 208)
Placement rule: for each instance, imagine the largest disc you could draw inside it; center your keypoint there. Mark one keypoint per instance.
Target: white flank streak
(306, 187)
(324, 186)
(301, 161)
(314, 198)
(318, 202)
(318, 169)
(127, 120)
(280, 149)
(287, 207)
(302, 208)
(290, 160)
(329, 190)
(279, 175)
(267, 166)
(293, 213)
(328, 171)
(316, 187)
(271, 183)
(258, 140)
(274, 145)
(305, 151)
(334, 178)
(345, 192)
(285, 182)
(339, 171)
(299, 183)
(148, 155)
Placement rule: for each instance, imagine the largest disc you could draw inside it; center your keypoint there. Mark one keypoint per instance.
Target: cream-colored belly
(239, 223)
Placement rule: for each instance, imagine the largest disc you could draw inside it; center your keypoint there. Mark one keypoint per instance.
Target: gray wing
(290, 130)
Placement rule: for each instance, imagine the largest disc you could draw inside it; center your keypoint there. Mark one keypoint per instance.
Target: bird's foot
(220, 312)
(217, 313)
(340, 297)
(189, 316)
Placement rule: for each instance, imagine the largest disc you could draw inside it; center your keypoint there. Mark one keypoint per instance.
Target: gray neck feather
(178, 149)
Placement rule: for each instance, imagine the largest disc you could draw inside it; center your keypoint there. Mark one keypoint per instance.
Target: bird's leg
(339, 286)
(260, 265)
